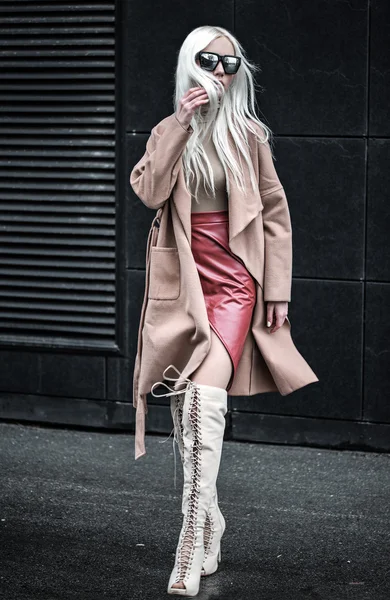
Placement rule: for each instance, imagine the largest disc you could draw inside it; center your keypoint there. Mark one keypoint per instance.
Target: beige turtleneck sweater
(206, 202)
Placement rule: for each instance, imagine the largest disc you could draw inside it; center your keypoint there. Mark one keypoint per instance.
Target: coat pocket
(164, 274)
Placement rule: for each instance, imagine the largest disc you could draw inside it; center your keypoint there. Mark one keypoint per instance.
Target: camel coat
(174, 327)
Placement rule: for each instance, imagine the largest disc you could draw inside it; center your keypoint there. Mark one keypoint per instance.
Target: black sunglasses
(209, 61)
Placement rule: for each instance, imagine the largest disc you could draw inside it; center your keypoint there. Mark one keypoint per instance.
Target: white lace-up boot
(203, 420)
(215, 522)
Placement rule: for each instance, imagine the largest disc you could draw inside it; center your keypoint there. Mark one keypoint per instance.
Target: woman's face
(222, 46)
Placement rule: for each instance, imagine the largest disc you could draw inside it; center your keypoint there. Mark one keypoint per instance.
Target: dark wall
(325, 79)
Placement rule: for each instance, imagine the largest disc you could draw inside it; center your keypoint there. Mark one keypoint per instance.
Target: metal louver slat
(57, 173)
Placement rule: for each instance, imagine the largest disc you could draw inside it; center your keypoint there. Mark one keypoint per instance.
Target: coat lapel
(182, 200)
(242, 209)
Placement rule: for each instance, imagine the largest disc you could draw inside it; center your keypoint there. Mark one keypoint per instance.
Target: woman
(218, 277)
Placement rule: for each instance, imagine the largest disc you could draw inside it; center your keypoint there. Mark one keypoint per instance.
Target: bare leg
(216, 370)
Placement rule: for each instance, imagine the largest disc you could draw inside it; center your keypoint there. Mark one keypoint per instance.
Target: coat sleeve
(277, 230)
(155, 174)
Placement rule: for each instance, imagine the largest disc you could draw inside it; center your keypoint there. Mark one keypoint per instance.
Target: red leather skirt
(229, 289)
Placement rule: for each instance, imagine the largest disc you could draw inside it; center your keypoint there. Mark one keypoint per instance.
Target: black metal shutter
(57, 173)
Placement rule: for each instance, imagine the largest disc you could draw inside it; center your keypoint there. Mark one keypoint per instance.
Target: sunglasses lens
(208, 61)
(231, 64)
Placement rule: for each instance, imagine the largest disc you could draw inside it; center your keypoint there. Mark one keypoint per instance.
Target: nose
(219, 69)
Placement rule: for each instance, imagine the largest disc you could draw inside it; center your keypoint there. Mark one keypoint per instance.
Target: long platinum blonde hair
(234, 113)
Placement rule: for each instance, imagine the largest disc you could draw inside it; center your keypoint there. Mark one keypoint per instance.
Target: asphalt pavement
(80, 519)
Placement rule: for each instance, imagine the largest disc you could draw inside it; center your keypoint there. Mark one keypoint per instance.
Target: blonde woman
(218, 277)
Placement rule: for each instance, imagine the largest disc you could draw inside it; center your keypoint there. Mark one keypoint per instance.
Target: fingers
(188, 104)
(270, 313)
(198, 102)
(275, 317)
(194, 89)
(198, 96)
(279, 320)
(191, 100)
(195, 93)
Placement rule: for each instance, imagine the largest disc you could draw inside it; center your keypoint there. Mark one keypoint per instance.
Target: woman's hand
(189, 103)
(276, 313)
